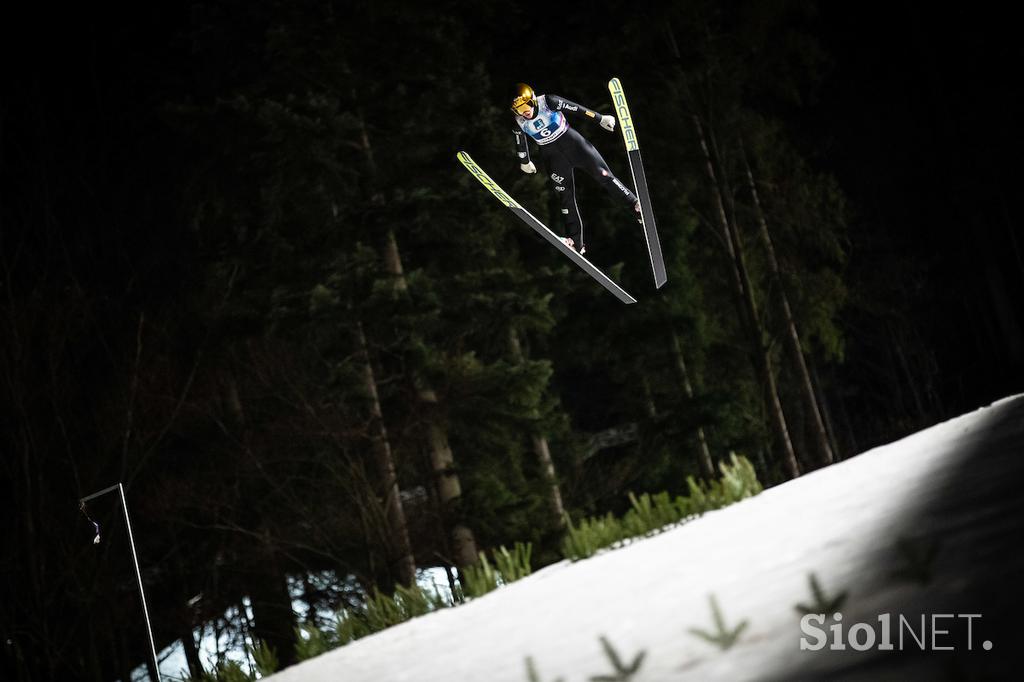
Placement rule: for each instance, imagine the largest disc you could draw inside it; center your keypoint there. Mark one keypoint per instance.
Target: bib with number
(546, 125)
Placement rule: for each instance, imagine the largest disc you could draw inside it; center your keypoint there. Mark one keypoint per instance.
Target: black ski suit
(565, 150)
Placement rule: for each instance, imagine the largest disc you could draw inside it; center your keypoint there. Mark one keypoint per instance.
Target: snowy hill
(925, 529)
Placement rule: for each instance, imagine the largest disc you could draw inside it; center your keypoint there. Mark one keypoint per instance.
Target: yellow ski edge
(486, 180)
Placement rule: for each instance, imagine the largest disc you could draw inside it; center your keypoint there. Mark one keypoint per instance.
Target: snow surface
(841, 523)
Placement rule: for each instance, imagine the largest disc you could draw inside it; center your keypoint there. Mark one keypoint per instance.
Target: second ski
(636, 166)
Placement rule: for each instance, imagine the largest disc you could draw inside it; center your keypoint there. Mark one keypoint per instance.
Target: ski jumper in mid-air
(542, 118)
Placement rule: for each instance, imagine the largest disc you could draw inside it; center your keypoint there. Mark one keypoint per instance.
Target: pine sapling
(583, 540)
(264, 658)
(697, 497)
(738, 480)
(311, 641)
(480, 579)
(382, 612)
(228, 671)
(515, 564)
(414, 601)
(651, 514)
(350, 626)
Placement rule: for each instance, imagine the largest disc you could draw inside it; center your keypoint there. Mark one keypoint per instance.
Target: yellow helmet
(522, 97)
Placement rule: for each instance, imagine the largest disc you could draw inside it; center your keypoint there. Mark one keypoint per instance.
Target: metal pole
(138, 574)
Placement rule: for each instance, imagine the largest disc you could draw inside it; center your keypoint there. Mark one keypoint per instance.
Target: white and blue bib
(546, 126)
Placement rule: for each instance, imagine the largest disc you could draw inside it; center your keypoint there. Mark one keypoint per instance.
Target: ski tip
(466, 160)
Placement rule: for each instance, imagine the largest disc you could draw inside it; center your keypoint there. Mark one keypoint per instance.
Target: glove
(608, 122)
(528, 167)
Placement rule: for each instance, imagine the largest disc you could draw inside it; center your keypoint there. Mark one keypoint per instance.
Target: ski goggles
(522, 105)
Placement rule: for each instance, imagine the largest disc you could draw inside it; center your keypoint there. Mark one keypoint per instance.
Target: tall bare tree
(540, 444)
(707, 467)
(746, 304)
(402, 562)
(446, 478)
(819, 434)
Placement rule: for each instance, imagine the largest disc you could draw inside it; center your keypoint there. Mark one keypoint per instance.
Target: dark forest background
(242, 272)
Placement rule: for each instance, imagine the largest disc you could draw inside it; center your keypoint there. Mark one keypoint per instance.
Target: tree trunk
(449, 489)
(393, 261)
(649, 407)
(401, 563)
(540, 445)
(195, 664)
(747, 308)
(184, 621)
(404, 564)
(1005, 313)
(851, 434)
(707, 467)
(442, 460)
(908, 373)
(819, 435)
(826, 411)
(272, 608)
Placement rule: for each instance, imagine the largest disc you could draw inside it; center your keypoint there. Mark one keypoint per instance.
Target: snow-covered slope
(927, 525)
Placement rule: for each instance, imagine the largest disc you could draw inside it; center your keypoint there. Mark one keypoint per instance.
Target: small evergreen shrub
(480, 579)
(264, 658)
(508, 567)
(311, 641)
(651, 514)
(515, 564)
(380, 611)
(383, 611)
(229, 671)
(264, 661)
(350, 625)
(584, 540)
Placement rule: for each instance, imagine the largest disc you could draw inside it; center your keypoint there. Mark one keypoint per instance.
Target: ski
(636, 166)
(542, 229)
